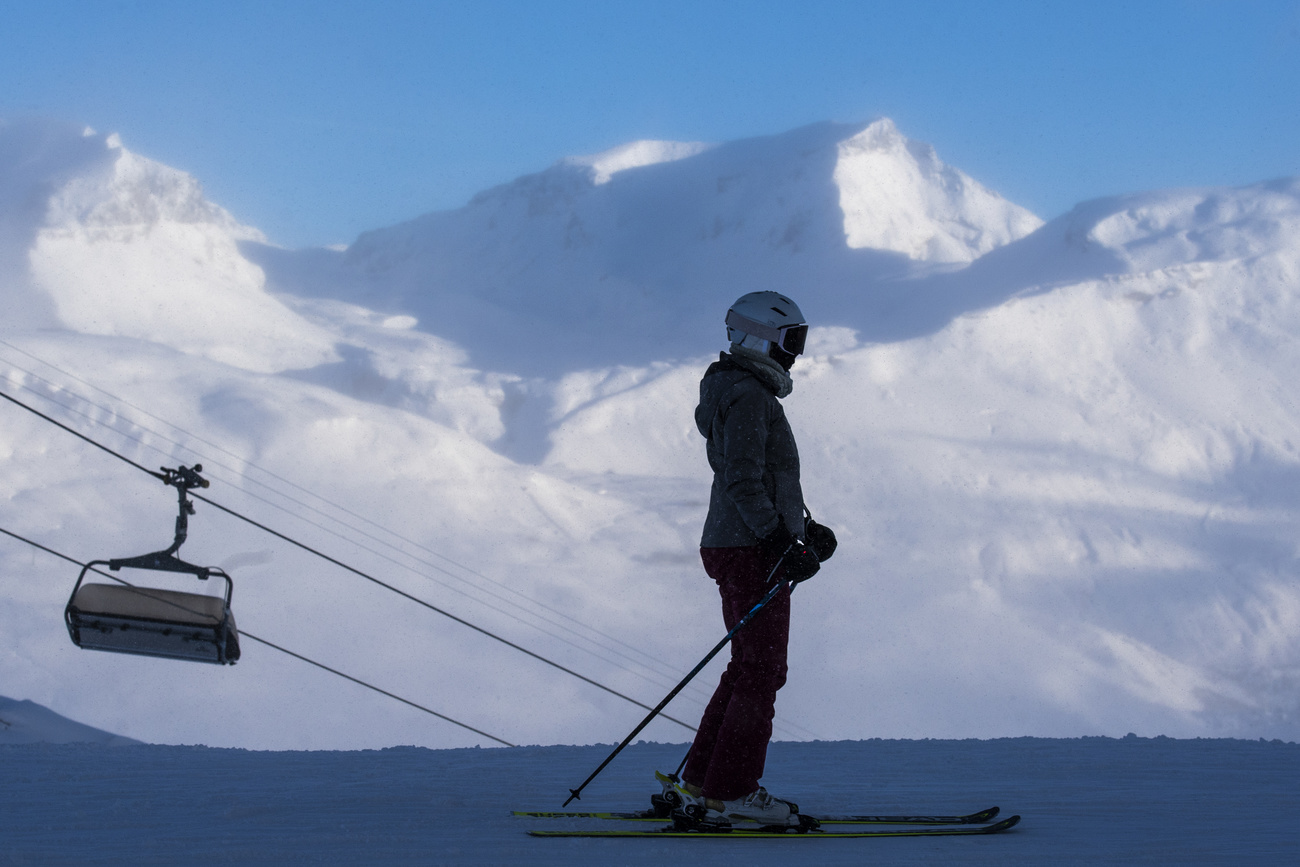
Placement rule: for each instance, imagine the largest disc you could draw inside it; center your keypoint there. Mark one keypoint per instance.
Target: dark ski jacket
(753, 455)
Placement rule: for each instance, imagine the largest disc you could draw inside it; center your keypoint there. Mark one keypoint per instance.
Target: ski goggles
(790, 338)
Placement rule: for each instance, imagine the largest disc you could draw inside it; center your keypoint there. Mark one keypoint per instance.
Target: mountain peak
(105, 241)
(135, 195)
(898, 195)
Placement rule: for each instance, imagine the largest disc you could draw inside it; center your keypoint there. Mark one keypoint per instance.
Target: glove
(821, 538)
(798, 559)
(801, 563)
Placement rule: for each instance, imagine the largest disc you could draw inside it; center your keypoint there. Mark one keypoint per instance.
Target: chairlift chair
(126, 618)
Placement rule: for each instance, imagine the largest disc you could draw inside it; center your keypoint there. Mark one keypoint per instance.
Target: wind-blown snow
(1063, 476)
(632, 155)
(130, 248)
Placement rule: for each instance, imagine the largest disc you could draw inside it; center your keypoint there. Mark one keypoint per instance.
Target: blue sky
(315, 121)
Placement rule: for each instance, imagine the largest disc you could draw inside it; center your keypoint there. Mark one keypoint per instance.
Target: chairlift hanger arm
(183, 479)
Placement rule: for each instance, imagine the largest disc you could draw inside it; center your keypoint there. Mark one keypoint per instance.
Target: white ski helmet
(767, 321)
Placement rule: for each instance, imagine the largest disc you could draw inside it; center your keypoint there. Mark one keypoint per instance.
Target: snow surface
(1083, 801)
(1064, 475)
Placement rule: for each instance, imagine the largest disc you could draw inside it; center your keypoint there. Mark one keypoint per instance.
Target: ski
(979, 818)
(740, 833)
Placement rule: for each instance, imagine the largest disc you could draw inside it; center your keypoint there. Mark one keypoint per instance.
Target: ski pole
(771, 594)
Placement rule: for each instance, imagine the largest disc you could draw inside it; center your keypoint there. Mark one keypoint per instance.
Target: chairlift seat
(153, 622)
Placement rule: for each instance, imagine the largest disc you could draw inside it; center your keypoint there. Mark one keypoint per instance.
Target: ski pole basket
(148, 621)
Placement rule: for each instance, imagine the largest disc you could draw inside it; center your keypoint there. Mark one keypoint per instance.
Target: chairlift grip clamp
(184, 477)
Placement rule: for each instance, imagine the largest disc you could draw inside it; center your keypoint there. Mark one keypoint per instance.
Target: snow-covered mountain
(26, 722)
(631, 252)
(1059, 456)
(117, 244)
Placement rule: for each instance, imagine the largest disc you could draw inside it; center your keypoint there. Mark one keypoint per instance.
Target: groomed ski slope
(1084, 801)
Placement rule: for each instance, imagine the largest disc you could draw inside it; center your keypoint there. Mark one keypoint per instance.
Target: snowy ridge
(1146, 232)
(1063, 475)
(1179, 227)
(830, 208)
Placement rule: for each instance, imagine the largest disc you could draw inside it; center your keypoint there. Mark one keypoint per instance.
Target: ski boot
(762, 809)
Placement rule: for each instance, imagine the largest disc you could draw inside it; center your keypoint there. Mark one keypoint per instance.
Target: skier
(756, 520)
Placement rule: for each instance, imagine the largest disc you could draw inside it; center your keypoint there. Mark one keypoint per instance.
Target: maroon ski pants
(730, 748)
